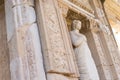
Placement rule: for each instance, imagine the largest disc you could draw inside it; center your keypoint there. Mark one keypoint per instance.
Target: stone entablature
(76, 7)
(83, 5)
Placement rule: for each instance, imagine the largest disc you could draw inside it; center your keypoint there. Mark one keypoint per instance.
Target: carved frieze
(58, 57)
(83, 4)
(57, 52)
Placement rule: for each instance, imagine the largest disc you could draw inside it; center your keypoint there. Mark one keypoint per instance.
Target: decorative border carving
(78, 3)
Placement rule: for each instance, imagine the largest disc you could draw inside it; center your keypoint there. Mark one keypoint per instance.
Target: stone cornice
(78, 3)
(77, 8)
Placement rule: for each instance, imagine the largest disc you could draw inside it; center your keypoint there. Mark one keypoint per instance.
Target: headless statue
(86, 65)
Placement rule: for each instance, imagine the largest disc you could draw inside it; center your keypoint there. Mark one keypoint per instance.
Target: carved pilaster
(114, 55)
(23, 39)
(98, 48)
(103, 41)
(57, 52)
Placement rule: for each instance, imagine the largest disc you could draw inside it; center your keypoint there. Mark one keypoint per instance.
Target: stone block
(34, 53)
(4, 55)
(30, 52)
(16, 69)
(19, 2)
(24, 15)
(53, 76)
(9, 19)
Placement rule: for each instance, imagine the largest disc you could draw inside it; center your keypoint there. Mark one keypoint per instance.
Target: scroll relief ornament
(57, 53)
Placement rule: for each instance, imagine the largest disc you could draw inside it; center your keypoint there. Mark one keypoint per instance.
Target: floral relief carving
(83, 4)
(30, 55)
(57, 52)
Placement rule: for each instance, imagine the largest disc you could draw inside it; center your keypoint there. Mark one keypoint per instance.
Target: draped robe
(86, 65)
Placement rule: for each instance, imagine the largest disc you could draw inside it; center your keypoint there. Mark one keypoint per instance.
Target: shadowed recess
(1, 2)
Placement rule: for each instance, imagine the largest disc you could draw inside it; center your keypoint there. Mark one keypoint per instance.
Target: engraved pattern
(57, 52)
(83, 4)
(30, 55)
(104, 63)
(113, 50)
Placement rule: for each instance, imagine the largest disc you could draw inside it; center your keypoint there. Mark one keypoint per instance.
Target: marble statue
(86, 65)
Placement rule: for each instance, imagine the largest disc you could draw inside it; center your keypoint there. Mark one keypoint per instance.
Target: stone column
(101, 46)
(59, 58)
(113, 54)
(26, 62)
(109, 41)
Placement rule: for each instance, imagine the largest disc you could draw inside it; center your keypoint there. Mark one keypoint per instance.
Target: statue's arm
(77, 42)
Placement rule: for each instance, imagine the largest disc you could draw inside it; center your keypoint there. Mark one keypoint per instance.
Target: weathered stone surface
(103, 59)
(26, 62)
(85, 4)
(24, 15)
(33, 54)
(21, 2)
(57, 53)
(86, 65)
(54, 76)
(4, 52)
(115, 58)
(58, 56)
(9, 19)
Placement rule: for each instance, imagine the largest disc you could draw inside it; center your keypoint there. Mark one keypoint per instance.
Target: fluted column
(26, 62)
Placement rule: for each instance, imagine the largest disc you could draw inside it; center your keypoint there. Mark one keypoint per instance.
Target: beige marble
(26, 61)
(40, 46)
(58, 55)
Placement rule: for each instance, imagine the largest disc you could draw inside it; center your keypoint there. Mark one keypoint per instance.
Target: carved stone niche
(85, 4)
(88, 26)
(87, 23)
(71, 15)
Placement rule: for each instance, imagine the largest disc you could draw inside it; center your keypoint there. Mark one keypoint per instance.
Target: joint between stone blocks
(23, 4)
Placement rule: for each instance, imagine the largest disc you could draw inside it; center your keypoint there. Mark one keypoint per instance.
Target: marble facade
(35, 43)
